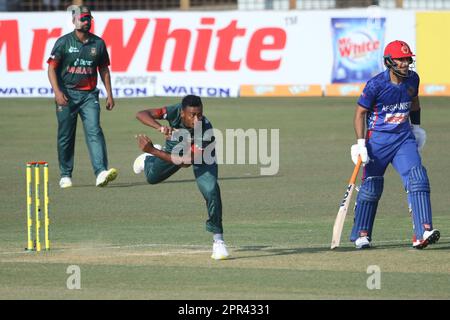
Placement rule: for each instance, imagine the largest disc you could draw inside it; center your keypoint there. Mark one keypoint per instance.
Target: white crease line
(68, 249)
(168, 253)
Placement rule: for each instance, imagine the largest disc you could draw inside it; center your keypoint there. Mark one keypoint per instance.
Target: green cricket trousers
(85, 104)
(157, 170)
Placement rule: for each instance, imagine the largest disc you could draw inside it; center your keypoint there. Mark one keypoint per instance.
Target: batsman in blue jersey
(387, 129)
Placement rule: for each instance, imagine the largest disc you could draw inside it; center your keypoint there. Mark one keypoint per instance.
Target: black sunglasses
(86, 18)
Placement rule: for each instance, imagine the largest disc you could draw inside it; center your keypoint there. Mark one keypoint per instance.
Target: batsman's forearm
(359, 124)
(359, 129)
(414, 113)
(415, 104)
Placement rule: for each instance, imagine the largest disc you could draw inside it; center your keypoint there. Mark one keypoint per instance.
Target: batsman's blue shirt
(388, 104)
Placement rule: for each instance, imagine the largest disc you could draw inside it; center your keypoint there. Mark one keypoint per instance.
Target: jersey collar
(74, 35)
(387, 75)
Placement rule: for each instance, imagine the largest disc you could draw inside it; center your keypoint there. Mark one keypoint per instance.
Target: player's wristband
(415, 117)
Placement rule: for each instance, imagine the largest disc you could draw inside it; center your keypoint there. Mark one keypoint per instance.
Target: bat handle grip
(355, 171)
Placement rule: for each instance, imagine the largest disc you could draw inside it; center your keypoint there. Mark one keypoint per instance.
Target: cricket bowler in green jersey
(189, 137)
(72, 71)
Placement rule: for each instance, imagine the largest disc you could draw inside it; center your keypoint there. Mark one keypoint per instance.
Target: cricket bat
(343, 208)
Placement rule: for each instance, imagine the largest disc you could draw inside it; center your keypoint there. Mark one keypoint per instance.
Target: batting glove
(359, 149)
(421, 136)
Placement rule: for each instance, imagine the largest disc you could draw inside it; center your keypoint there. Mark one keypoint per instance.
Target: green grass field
(132, 240)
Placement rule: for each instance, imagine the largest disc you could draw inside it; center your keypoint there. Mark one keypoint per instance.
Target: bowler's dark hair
(191, 101)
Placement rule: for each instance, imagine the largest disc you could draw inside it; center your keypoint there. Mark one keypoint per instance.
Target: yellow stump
(29, 208)
(46, 202)
(36, 242)
(37, 206)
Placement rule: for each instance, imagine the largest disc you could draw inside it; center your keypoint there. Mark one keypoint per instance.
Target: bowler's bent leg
(157, 170)
(206, 176)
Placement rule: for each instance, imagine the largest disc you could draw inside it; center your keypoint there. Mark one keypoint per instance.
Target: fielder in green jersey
(189, 141)
(72, 71)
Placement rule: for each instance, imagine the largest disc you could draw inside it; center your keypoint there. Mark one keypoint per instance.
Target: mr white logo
(73, 49)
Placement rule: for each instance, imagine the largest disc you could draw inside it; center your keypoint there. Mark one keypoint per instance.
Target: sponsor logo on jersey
(395, 118)
(81, 70)
(73, 49)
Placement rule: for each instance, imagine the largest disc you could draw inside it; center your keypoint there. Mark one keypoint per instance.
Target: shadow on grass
(268, 251)
(441, 245)
(142, 183)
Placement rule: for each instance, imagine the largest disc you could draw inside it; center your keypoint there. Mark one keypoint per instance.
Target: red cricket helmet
(398, 49)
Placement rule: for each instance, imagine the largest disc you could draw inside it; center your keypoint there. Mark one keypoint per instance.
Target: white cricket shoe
(219, 250)
(105, 177)
(362, 243)
(139, 163)
(429, 237)
(65, 182)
